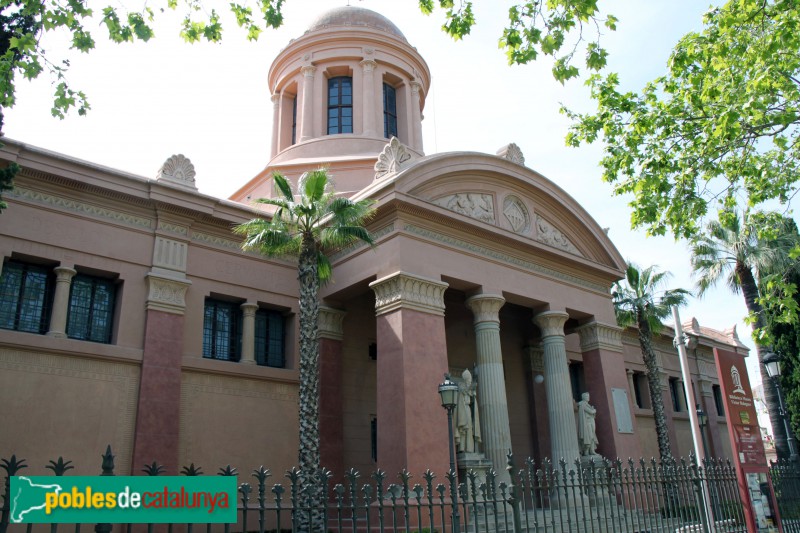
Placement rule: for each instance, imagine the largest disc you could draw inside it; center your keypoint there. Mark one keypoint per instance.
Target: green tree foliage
(640, 301)
(305, 227)
(720, 127)
(556, 28)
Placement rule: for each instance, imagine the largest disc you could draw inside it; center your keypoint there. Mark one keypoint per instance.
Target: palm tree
(305, 228)
(733, 249)
(639, 300)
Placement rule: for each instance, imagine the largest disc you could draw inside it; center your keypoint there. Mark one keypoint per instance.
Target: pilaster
(276, 121)
(369, 108)
(58, 316)
(307, 122)
(416, 117)
(331, 402)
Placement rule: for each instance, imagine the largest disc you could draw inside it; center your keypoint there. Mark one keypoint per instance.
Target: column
(604, 366)
(416, 117)
(307, 124)
(58, 316)
(412, 425)
(331, 402)
(560, 412)
(368, 109)
(631, 388)
(276, 121)
(538, 410)
(680, 392)
(495, 428)
(248, 333)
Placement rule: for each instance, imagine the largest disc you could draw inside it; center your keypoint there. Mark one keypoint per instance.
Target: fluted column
(248, 333)
(307, 124)
(495, 428)
(276, 122)
(58, 317)
(416, 117)
(368, 109)
(560, 412)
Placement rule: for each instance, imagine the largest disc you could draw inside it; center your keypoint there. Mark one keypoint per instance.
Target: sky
(211, 103)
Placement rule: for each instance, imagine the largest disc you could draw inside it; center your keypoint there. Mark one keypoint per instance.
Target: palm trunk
(309, 455)
(654, 382)
(750, 292)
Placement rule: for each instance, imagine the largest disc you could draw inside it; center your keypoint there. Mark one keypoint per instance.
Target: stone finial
(178, 170)
(732, 334)
(512, 153)
(394, 158)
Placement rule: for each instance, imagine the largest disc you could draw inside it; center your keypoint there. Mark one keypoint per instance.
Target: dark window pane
(270, 327)
(91, 309)
(25, 295)
(221, 330)
(389, 111)
(340, 104)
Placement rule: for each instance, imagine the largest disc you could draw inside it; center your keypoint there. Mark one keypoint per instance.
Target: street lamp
(448, 391)
(772, 362)
(702, 421)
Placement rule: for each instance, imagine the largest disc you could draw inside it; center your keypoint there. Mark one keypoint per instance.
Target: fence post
(107, 470)
(11, 466)
(514, 497)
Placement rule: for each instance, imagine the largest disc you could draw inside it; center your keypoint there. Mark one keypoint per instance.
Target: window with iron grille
(718, 403)
(91, 309)
(294, 120)
(269, 338)
(340, 105)
(222, 337)
(26, 295)
(674, 391)
(389, 111)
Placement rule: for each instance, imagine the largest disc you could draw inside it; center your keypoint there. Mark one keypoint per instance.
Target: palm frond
(313, 185)
(339, 236)
(283, 186)
(324, 268)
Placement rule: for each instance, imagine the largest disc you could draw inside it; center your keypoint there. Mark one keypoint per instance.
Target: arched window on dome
(340, 105)
(389, 111)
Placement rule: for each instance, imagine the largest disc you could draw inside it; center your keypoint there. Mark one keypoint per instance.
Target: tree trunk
(750, 292)
(309, 455)
(654, 382)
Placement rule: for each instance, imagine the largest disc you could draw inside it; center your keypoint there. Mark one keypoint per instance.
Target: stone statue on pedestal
(468, 423)
(587, 433)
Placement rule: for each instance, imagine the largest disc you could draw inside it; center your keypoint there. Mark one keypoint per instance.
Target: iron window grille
(389, 111)
(270, 338)
(340, 105)
(294, 120)
(222, 326)
(26, 295)
(91, 309)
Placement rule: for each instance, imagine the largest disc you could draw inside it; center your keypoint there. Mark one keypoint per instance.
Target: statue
(468, 423)
(587, 435)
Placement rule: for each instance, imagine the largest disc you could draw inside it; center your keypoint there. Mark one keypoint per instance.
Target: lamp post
(772, 362)
(448, 391)
(702, 421)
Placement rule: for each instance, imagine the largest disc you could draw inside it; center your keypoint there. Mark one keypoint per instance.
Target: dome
(355, 16)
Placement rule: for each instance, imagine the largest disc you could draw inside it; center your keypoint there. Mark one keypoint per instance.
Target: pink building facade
(131, 316)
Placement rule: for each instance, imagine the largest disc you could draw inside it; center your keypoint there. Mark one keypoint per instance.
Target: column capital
(64, 273)
(415, 86)
(276, 99)
(629, 372)
(551, 323)
(408, 291)
(329, 323)
(308, 71)
(486, 307)
(249, 309)
(368, 65)
(599, 336)
(166, 294)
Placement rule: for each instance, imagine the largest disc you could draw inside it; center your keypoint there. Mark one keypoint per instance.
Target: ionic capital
(551, 323)
(368, 65)
(599, 336)
(64, 274)
(329, 323)
(249, 309)
(407, 291)
(486, 307)
(308, 71)
(415, 87)
(276, 99)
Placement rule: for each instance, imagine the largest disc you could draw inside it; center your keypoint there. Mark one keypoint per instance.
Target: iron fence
(785, 477)
(584, 496)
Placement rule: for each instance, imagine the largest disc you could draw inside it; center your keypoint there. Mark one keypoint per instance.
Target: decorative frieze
(178, 170)
(599, 336)
(394, 158)
(406, 291)
(472, 204)
(329, 323)
(166, 294)
(546, 233)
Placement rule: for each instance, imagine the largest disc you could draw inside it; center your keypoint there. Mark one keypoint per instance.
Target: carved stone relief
(394, 158)
(513, 153)
(548, 234)
(472, 204)
(516, 214)
(178, 170)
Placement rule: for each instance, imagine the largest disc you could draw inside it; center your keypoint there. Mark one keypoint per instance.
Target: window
(373, 437)
(576, 379)
(270, 327)
(389, 111)
(675, 390)
(25, 297)
(640, 390)
(91, 309)
(340, 105)
(720, 405)
(294, 120)
(222, 330)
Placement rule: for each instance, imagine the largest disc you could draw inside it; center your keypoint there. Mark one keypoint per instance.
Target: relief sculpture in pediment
(474, 205)
(516, 214)
(547, 234)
